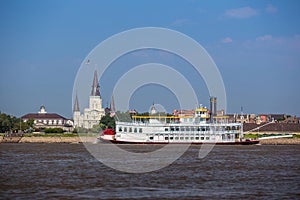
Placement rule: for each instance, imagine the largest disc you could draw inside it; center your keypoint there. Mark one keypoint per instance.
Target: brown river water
(68, 171)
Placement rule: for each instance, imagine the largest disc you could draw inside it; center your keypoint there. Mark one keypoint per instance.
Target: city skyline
(255, 45)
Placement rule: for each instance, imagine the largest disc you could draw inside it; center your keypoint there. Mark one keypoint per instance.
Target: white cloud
(271, 9)
(241, 13)
(264, 38)
(227, 40)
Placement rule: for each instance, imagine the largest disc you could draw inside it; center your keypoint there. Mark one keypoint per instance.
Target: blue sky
(255, 44)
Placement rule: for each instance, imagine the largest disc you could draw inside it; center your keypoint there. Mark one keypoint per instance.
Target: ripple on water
(229, 172)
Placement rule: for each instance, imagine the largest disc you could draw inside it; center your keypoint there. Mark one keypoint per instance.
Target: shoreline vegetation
(80, 138)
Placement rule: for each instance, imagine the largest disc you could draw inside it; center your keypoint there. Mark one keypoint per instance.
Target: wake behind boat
(201, 128)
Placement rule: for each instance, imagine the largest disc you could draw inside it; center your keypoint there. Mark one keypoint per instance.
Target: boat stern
(108, 135)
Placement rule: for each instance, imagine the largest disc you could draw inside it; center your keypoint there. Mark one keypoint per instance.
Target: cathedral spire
(76, 104)
(112, 107)
(95, 86)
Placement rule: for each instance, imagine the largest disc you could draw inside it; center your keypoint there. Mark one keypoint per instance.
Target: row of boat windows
(140, 130)
(130, 130)
(218, 128)
(196, 137)
(183, 138)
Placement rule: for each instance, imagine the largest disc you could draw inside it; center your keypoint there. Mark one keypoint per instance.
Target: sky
(255, 45)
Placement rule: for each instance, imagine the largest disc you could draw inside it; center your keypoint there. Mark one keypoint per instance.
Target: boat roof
(160, 117)
(173, 117)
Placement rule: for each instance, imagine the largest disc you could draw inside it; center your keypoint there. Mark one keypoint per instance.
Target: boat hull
(247, 142)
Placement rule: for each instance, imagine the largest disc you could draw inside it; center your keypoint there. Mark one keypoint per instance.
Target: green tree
(96, 128)
(107, 122)
(5, 122)
(30, 122)
(53, 130)
(123, 116)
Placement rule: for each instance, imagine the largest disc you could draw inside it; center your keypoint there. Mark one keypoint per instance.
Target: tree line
(9, 123)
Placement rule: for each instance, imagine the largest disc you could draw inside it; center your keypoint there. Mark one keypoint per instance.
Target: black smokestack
(213, 108)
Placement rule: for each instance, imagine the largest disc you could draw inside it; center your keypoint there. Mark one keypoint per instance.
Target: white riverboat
(199, 128)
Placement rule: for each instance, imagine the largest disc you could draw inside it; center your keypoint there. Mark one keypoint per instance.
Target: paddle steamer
(203, 127)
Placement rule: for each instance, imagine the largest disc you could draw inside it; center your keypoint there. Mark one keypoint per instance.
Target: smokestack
(213, 108)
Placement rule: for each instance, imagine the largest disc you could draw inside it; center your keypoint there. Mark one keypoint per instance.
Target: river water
(68, 171)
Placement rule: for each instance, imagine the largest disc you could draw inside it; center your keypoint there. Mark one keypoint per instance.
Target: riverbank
(45, 139)
(280, 141)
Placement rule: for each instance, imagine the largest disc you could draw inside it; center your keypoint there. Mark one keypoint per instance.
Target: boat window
(207, 128)
(197, 138)
(172, 128)
(192, 138)
(177, 128)
(140, 130)
(125, 129)
(166, 129)
(120, 129)
(166, 138)
(202, 138)
(135, 130)
(151, 138)
(171, 138)
(176, 138)
(181, 138)
(238, 128)
(181, 128)
(198, 128)
(187, 128)
(186, 138)
(130, 129)
(207, 138)
(192, 129)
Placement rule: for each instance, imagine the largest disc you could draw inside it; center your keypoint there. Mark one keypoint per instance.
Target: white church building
(92, 115)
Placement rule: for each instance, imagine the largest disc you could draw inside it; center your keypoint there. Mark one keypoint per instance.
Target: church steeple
(95, 86)
(76, 105)
(112, 106)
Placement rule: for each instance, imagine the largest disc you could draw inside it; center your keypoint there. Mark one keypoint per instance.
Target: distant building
(221, 112)
(153, 110)
(92, 115)
(42, 119)
(132, 112)
(242, 118)
(262, 118)
(278, 117)
(183, 113)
